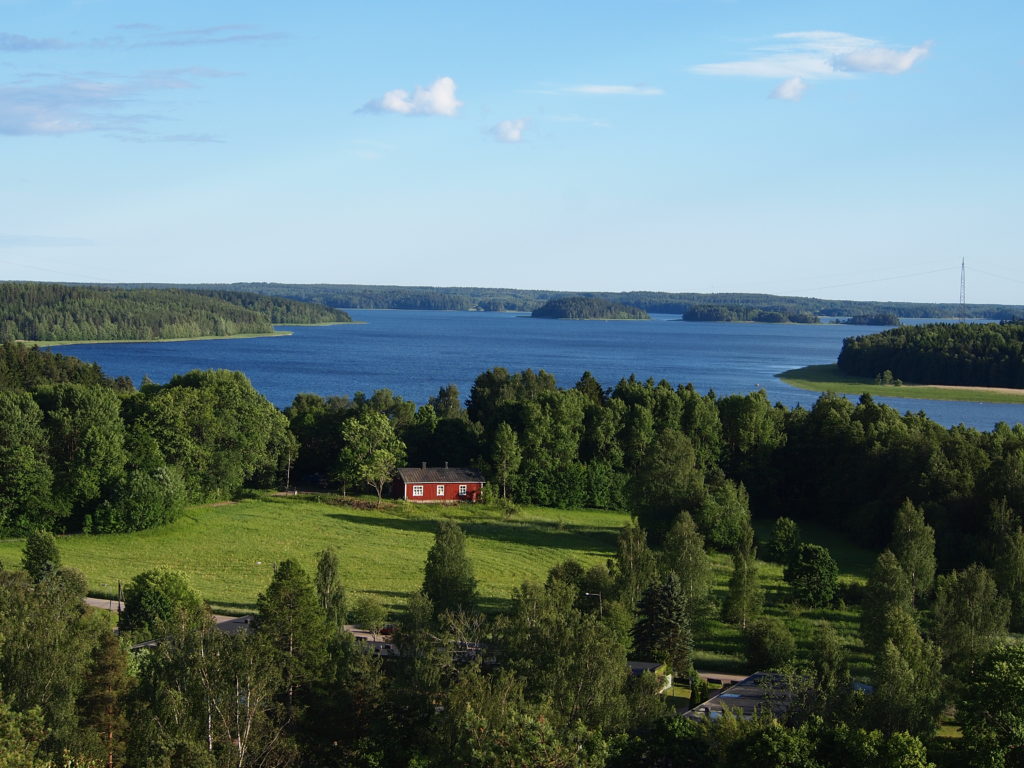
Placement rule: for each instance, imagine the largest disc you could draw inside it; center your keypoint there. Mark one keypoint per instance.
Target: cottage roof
(439, 475)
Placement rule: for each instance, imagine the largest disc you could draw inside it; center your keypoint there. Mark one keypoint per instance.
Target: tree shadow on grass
(584, 539)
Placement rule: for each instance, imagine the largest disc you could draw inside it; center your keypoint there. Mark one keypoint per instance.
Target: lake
(414, 353)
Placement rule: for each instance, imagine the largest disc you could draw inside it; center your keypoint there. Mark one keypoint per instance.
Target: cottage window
(440, 490)
(417, 490)
(462, 490)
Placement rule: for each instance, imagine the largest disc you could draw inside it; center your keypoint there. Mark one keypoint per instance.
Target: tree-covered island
(588, 308)
(725, 313)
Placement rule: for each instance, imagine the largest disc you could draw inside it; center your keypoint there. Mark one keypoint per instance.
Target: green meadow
(229, 551)
(828, 378)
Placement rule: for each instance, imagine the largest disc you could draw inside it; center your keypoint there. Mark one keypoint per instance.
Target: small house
(438, 484)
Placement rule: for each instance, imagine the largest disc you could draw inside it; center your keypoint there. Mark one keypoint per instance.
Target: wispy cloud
(509, 131)
(615, 90)
(20, 43)
(816, 55)
(790, 90)
(42, 241)
(436, 99)
(49, 105)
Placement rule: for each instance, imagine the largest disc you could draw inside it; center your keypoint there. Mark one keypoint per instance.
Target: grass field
(229, 551)
(828, 378)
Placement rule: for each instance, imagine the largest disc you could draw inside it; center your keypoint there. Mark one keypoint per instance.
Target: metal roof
(439, 475)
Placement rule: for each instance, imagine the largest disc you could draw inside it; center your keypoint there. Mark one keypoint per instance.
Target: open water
(414, 353)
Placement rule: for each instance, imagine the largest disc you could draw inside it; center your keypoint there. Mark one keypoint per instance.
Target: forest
(63, 312)
(588, 308)
(725, 313)
(962, 354)
(545, 681)
(526, 300)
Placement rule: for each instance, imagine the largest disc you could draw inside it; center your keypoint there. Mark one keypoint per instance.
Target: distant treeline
(526, 300)
(721, 313)
(880, 318)
(965, 354)
(588, 308)
(62, 312)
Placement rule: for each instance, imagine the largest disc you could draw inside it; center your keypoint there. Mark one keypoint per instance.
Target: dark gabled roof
(439, 475)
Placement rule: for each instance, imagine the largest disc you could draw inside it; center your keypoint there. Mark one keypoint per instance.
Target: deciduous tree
(448, 574)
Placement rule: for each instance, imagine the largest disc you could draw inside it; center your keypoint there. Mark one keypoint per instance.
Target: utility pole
(963, 289)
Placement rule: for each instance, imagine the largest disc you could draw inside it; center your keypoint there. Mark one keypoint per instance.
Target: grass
(828, 378)
(229, 551)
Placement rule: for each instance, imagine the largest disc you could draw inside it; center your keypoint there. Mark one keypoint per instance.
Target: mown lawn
(229, 550)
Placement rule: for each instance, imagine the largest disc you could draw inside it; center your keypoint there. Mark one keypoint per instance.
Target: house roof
(439, 475)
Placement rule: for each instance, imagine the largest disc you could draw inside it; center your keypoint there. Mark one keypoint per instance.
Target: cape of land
(588, 308)
(57, 312)
(957, 354)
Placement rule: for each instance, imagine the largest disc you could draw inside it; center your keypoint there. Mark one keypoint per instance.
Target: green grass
(229, 552)
(828, 378)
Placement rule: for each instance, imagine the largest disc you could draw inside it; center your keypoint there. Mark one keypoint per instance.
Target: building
(761, 692)
(438, 484)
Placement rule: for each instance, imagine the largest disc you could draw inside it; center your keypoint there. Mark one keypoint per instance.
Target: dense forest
(881, 318)
(61, 312)
(964, 354)
(588, 308)
(545, 682)
(526, 300)
(724, 313)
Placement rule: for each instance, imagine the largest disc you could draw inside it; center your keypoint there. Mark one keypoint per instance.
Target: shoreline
(47, 343)
(828, 378)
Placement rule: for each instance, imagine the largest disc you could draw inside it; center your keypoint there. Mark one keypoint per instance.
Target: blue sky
(843, 149)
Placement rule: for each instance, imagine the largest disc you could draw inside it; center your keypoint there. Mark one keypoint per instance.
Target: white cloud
(438, 99)
(509, 131)
(616, 90)
(790, 90)
(815, 55)
(881, 60)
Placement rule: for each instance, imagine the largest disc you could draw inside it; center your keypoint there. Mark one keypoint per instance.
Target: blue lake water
(414, 353)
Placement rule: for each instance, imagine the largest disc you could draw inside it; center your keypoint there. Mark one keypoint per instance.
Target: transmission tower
(963, 290)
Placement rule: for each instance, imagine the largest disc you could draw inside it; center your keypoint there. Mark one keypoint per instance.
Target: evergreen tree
(662, 632)
(329, 589)
(813, 575)
(745, 596)
(40, 556)
(448, 579)
(102, 701)
(913, 543)
(682, 553)
(293, 623)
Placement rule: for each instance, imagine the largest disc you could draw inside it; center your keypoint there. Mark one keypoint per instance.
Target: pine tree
(662, 632)
(291, 620)
(913, 543)
(448, 575)
(102, 700)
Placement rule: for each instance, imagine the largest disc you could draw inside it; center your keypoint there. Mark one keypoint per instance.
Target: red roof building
(438, 484)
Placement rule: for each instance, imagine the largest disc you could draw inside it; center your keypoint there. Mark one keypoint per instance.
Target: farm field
(229, 552)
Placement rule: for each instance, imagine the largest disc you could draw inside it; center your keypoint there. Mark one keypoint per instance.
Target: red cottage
(438, 484)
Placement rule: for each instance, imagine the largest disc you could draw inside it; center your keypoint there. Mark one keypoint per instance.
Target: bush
(768, 644)
(784, 540)
(813, 575)
(40, 556)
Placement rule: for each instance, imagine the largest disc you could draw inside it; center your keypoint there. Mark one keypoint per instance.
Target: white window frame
(417, 490)
(463, 490)
(440, 490)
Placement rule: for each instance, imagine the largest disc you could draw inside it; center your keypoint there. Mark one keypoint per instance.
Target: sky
(844, 149)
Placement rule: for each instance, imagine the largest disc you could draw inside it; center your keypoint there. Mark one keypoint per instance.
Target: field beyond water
(229, 550)
(828, 378)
